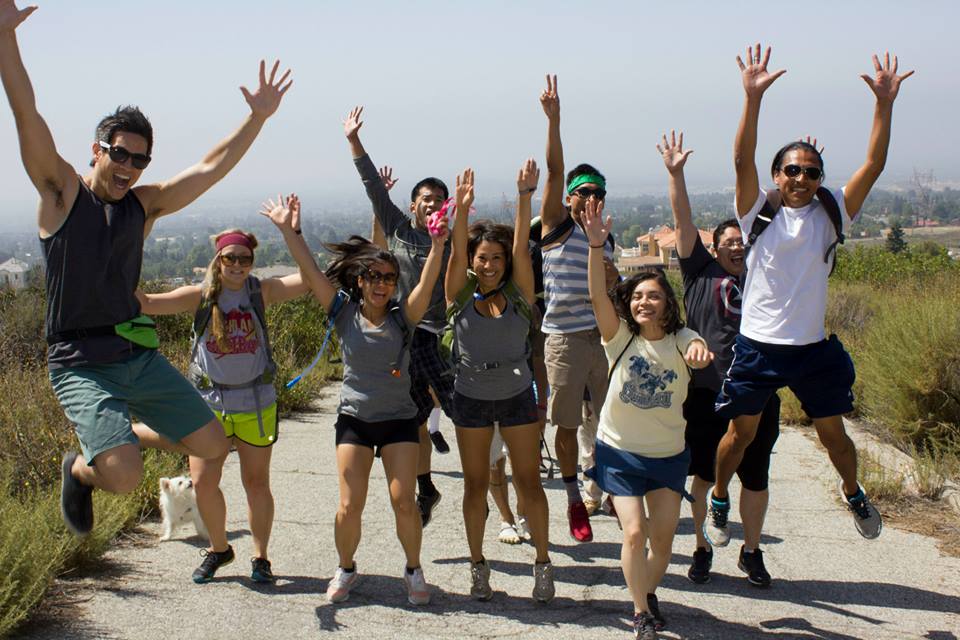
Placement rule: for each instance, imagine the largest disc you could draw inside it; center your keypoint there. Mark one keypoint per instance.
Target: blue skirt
(622, 473)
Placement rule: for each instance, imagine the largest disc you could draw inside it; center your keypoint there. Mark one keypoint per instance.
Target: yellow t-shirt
(643, 411)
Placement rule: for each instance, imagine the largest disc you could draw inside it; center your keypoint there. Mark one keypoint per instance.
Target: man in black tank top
(92, 230)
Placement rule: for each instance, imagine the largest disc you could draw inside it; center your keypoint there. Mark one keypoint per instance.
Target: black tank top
(93, 268)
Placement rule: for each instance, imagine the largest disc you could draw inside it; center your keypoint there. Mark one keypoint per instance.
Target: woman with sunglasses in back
(232, 366)
(376, 411)
(791, 235)
(489, 290)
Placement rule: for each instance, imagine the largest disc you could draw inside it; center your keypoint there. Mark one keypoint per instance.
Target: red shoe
(579, 522)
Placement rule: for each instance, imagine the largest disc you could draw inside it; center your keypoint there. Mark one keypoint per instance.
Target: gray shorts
(98, 399)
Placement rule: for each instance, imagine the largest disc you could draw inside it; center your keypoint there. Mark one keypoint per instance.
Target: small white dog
(178, 504)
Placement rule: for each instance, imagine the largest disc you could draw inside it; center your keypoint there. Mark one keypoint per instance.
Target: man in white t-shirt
(782, 341)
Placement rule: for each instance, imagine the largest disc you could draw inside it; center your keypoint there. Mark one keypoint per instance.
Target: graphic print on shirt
(728, 296)
(241, 331)
(646, 388)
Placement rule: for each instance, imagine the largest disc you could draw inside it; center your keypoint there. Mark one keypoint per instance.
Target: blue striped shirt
(565, 285)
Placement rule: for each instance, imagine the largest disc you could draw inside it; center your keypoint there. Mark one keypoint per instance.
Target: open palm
(756, 78)
(266, 99)
(11, 17)
(886, 83)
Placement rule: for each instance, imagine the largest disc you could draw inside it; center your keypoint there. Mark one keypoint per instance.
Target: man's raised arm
(674, 157)
(552, 210)
(385, 211)
(53, 178)
(173, 195)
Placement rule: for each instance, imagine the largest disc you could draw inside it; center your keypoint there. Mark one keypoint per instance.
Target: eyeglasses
(120, 155)
(732, 244)
(794, 170)
(586, 192)
(376, 277)
(232, 259)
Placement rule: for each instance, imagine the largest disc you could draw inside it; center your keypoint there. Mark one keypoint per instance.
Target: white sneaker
(417, 591)
(865, 516)
(508, 534)
(521, 528)
(341, 583)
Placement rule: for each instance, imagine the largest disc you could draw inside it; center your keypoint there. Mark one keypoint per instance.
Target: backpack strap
(336, 306)
(396, 312)
(830, 205)
(613, 367)
(766, 215)
(255, 293)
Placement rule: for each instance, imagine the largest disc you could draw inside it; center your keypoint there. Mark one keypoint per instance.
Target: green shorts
(245, 426)
(98, 400)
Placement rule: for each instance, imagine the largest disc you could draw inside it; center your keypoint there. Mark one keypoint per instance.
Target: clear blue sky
(451, 84)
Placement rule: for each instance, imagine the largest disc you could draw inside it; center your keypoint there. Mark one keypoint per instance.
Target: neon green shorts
(245, 426)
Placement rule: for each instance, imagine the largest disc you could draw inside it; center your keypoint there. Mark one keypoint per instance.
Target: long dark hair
(352, 258)
(623, 293)
(792, 146)
(491, 232)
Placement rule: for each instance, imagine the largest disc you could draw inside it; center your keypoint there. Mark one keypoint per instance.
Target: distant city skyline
(447, 85)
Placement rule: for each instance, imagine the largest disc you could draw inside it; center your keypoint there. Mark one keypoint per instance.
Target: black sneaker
(752, 565)
(643, 627)
(439, 443)
(659, 622)
(212, 560)
(426, 503)
(76, 499)
(260, 571)
(699, 571)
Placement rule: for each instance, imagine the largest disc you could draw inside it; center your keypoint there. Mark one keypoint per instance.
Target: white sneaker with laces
(341, 583)
(417, 591)
(521, 528)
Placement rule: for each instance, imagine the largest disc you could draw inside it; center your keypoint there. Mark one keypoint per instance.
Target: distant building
(658, 248)
(13, 274)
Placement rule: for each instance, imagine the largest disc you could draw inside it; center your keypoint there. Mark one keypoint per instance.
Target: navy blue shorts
(429, 371)
(821, 375)
(510, 412)
(705, 429)
(622, 473)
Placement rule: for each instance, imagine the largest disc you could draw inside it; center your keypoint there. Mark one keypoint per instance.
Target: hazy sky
(452, 84)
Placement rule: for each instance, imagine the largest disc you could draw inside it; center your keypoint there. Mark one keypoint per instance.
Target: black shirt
(712, 300)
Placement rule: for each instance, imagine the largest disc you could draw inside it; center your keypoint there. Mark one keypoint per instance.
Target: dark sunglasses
(586, 192)
(794, 170)
(230, 259)
(120, 155)
(375, 277)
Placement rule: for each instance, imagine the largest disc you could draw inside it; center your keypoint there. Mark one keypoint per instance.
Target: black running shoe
(212, 560)
(643, 627)
(699, 571)
(439, 442)
(426, 503)
(76, 499)
(752, 565)
(659, 622)
(260, 571)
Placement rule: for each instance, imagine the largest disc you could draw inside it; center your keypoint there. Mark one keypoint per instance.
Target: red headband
(233, 238)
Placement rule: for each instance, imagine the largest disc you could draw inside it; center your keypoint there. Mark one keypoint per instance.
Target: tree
(895, 240)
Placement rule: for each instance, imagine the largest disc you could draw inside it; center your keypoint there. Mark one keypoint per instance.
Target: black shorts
(705, 428)
(376, 435)
(511, 412)
(429, 371)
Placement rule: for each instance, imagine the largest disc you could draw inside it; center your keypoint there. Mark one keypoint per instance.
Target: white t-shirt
(785, 296)
(643, 410)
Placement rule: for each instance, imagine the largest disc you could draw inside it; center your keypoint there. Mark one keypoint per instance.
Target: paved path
(828, 582)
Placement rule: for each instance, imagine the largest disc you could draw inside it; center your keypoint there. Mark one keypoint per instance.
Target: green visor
(141, 330)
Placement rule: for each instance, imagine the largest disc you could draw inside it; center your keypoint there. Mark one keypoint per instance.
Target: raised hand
(11, 17)
(464, 191)
(386, 177)
(698, 355)
(756, 78)
(352, 124)
(886, 83)
(674, 157)
(549, 99)
(593, 224)
(440, 232)
(813, 143)
(265, 100)
(284, 212)
(528, 177)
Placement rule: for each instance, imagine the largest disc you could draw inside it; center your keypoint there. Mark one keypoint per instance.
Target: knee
(349, 510)
(207, 480)
(256, 483)
(661, 544)
(404, 506)
(530, 488)
(634, 539)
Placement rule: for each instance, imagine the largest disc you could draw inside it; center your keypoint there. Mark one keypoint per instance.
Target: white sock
(433, 422)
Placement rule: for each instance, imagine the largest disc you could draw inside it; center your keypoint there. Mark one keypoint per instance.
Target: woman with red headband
(232, 366)
(376, 411)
